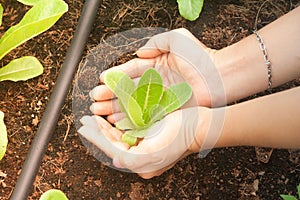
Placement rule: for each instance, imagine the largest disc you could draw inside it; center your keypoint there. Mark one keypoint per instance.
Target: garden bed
(227, 173)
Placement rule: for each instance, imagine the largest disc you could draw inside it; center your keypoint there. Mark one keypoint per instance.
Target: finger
(156, 173)
(105, 125)
(116, 117)
(142, 160)
(88, 121)
(166, 42)
(138, 161)
(156, 46)
(101, 93)
(105, 107)
(133, 68)
(105, 137)
(164, 169)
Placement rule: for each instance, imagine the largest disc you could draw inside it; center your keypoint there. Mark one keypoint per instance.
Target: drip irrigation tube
(56, 102)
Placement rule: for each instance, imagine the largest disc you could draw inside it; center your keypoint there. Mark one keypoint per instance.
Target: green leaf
(288, 197)
(134, 111)
(37, 20)
(3, 136)
(53, 194)
(1, 14)
(124, 124)
(127, 138)
(298, 189)
(149, 90)
(118, 81)
(130, 137)
(30, 2)
(190, 9)
(21, 69)
(137, 133)
(157, 112)
(145, 104)
(175, 97)
(123, 87)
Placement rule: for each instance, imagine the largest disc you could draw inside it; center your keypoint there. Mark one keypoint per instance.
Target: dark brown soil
(228, 173)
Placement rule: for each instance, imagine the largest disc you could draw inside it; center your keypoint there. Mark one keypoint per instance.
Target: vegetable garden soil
(227, 173)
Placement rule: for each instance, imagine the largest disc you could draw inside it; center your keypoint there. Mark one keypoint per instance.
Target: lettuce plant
(38, 19)
(53, 194)
(190, 9)
(1, 14)
(290, 197)
(146, 102)
(3, 136)
(42, 15)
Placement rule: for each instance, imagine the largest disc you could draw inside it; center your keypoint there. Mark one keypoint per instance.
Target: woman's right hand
(176, 136)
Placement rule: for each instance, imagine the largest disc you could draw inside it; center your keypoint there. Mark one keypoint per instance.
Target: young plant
(289, 197)
(38, 19)
(1, 14)
(190, 9)
(145, 103)
(53, 194)
(3, 136)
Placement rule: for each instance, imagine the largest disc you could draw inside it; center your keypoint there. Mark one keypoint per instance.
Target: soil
(227, 173)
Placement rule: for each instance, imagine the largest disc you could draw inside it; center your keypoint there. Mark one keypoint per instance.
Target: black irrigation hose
(56, 102)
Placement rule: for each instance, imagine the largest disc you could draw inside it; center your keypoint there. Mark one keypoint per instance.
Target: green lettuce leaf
(288, 197)
(298, 190)
(30, 2)
(149, 92)
(21, 69)
(145, 104)
(123, 87)
(190, 9)
(130, 137)
(3, 136)
(127, 138)
(124, 124)
(53, 194)
(37, 20)
(175, 97)
(1, 14)
(157, 113)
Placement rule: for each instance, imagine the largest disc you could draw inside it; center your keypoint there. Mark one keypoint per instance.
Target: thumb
(167, 42)
(157, 45)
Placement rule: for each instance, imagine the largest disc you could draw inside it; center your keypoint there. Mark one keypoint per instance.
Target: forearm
(269, 121)
(242, 64)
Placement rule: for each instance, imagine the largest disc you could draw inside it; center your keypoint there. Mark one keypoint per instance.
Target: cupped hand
(178, 56)
(167, 141)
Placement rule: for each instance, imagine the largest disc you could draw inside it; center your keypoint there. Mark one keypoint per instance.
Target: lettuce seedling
(190, 9)
(38, 19)
(3, 136)
(53, 194)
(290, 197)
(144, 103)
(1, 14)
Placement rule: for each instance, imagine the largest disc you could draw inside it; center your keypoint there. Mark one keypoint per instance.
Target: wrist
(201, 121)
(218, 127)
(242, 69)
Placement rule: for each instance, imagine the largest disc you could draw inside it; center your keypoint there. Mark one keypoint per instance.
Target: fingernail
(92, 108)
(102, 75)
(91, 94)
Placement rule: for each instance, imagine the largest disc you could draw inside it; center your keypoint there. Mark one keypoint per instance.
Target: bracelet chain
(266, 58)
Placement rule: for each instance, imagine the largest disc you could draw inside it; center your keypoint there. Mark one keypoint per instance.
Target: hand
(167, 141)
(178, 56)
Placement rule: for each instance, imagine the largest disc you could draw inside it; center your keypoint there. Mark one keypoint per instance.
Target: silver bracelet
(266, 59)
